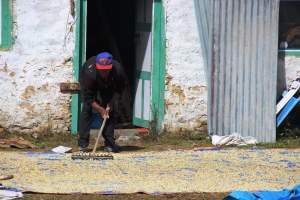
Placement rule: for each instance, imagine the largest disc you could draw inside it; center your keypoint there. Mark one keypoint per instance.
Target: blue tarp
(285, 194)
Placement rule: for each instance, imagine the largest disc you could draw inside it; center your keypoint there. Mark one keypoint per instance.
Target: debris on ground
(16, 142)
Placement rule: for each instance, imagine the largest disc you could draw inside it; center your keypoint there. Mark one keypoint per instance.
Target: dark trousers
(85, 126)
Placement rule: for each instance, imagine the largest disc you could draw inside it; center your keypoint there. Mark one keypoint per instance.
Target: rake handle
(99, 135)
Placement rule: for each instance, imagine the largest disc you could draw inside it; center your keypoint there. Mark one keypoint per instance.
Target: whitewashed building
(44, 44)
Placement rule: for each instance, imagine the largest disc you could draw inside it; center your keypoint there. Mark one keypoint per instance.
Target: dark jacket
(91, 81)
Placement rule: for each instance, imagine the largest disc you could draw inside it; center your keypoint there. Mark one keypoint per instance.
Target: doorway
(110, 28)
(111, 25)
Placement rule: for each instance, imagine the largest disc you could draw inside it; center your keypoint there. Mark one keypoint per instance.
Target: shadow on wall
(281, 77)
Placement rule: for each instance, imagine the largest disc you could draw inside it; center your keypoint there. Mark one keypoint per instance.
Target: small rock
(35, 135)
(136, 138)
(123, 138)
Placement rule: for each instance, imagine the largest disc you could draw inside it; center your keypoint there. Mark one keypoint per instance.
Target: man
(105, 75)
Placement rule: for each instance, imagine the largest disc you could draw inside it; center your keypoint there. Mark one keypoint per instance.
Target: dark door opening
(110, 28)
(120, 20)
(289, 25)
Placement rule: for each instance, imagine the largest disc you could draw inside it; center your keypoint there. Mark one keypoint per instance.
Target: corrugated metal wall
(242, 67)
(203, 18)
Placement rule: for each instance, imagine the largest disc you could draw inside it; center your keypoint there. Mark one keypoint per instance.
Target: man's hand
(110, 106)
(104, 112)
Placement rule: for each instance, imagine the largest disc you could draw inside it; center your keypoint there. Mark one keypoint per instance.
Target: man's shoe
(111, 150)
(83, 149)
(118, 147)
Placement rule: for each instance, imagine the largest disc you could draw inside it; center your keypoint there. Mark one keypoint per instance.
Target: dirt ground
(185, 196)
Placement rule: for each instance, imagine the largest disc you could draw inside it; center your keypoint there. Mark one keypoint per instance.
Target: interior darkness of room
(120, 16)
(289, 24)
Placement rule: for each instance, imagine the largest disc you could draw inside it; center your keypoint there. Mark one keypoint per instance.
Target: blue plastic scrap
(287, 109)
(96, 121)
(285, 194)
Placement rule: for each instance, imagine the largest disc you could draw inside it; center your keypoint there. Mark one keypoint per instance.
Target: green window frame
(6, 38)
(287, 21)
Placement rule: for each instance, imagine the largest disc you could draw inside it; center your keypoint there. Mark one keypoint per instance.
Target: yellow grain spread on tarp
(154, 172)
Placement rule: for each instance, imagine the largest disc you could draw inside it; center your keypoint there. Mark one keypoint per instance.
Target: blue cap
(104, 61)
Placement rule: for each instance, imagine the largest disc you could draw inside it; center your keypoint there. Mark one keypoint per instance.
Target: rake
(93, 155)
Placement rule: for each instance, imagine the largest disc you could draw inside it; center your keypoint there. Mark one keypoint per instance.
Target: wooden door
(143, 62)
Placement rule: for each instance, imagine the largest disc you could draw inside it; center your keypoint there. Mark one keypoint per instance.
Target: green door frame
(158, 68)
(79, 59)
(158, 64)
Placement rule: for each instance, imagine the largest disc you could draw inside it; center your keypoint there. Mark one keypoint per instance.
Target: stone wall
(186, 89)
(41, 57)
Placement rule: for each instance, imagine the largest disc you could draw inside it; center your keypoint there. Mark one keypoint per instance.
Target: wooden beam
(69, 86)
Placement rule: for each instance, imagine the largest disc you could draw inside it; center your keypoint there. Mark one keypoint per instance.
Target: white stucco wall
(288, 71)
(30, 73)
(186, 91)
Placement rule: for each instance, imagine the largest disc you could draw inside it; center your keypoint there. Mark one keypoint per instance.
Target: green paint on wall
(282, 53)
(7, 27)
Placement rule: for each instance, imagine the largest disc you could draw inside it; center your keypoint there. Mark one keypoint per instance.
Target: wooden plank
(294, 88)
(126, 131)
(117, 131)
(69, 86)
